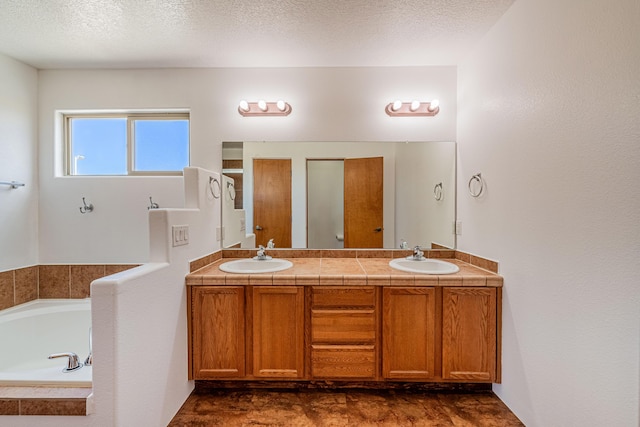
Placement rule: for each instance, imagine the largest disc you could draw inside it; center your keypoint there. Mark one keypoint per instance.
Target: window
(126, 144)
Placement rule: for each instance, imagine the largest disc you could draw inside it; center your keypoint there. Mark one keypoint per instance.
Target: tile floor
(343, 408)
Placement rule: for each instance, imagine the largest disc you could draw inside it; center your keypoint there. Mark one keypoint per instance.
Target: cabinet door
(218, 332)
(469, 334)
(408, 333)
(278, 331)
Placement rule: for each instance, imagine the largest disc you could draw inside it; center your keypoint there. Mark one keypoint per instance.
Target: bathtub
(30, 332)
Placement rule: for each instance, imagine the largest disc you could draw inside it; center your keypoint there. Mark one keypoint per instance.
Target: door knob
(377, 230)
(258, 228)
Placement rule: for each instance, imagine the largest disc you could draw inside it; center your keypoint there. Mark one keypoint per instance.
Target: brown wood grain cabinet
(408, 333)
(278, 331)
(343, 332)
(218, 332)
(469, 334)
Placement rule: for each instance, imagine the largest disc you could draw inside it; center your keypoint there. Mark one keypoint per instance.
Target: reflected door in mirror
(325, 203)
(272, 201)
(363, 202)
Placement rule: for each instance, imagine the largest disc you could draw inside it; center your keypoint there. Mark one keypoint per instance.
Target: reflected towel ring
(477, 191)
(437, 191)
(232, 190)
(212, 187)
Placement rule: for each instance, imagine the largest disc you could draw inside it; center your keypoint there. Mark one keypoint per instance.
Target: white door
(325, 206)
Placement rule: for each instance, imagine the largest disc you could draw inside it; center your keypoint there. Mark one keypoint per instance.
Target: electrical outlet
(180, 235)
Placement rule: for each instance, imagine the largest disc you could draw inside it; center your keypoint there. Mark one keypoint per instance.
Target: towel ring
(437, 191)
(212, 187)
(232, 191)
(478, 191)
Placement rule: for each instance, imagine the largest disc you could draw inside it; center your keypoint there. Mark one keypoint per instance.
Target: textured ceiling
(243, 33)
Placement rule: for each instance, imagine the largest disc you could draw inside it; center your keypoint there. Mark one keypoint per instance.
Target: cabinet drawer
(343, 361)
(343, 326)
(330, 297)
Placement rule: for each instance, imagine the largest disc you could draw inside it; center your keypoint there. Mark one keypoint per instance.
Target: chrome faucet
(417, 253)
(73, 363)
(262, 253)
(89, 360)
(270, 244)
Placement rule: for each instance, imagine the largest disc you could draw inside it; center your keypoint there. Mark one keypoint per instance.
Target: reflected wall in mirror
(418, 191)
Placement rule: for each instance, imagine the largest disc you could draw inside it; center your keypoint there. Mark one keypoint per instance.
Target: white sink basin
(251, 266)
(424, 266)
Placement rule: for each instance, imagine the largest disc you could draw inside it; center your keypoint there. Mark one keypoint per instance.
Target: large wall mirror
(327, 195)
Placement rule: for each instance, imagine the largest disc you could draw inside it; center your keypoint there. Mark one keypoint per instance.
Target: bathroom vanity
(345, 319)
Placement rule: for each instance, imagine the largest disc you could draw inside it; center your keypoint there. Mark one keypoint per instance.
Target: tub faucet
(89, 360)
(73, 362)
(417, 253)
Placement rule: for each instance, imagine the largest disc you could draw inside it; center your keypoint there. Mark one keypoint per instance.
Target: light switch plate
(180, 235)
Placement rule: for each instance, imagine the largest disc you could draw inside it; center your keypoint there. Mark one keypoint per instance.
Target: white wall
(329, 104)
(18, 162)
(549, 107)
(234, 229)
(140, 318)
(421, 219)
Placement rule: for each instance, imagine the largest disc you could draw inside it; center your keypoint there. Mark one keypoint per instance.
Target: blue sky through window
(161, 145)
(99, 145)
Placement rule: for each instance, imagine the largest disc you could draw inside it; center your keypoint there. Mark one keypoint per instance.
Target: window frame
(131, 118)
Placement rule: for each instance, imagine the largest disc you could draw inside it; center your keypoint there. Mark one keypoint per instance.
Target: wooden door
(272, 201)
(469, 334)
(278, 331)
(218, 339)
(408, 333)
(363, 202)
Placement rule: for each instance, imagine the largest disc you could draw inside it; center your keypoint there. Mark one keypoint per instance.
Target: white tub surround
(32, 331)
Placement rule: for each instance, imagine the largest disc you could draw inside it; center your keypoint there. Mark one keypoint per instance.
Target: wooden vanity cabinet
(359, 333)
(343, 332)
(278, 331)
(408, 333)
(470, 334)
(217, 332)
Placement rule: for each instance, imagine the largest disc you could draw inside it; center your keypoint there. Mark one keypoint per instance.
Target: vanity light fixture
(264, 108)
(413, 108)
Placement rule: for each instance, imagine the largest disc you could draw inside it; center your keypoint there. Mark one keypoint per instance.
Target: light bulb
(281, 105)
(396, 105)
(262, 105)
(433, 105)
(244, 105)
(415, 105)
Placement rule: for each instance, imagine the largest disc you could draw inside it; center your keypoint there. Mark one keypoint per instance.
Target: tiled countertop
(344, 271)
